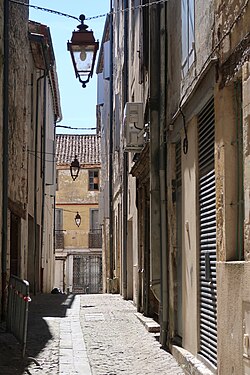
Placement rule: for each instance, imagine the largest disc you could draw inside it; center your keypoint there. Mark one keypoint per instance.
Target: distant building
(78, 248)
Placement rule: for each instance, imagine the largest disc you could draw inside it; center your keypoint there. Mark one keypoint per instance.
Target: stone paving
(117, 342)
(86, 335)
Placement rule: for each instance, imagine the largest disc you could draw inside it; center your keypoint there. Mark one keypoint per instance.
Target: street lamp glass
(83, 49)
(83, 57)
(74, 169)
(78, 219)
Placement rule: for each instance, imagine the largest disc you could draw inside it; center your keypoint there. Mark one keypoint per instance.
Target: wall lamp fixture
(78, 219)
(74, 169)
(83, 49)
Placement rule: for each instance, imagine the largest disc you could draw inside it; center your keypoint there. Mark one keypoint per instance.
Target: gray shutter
(208, 291)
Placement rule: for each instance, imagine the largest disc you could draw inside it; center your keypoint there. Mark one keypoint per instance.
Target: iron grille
(87, 274)
(95, 239)
(59, 240)
(208, 288)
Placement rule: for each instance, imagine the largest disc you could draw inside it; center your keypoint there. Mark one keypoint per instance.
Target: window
(93, 180)
(187, 16)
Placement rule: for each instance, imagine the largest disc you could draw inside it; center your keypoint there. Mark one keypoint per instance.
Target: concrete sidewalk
(55, 343)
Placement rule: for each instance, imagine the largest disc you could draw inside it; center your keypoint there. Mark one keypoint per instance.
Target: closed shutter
(207, 204)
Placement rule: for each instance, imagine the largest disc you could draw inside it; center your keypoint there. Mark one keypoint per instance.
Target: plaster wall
(226, 172)
(117, 236)
(190, 243)
(48, 256)
(75, 192)
(226, 13)
(76, 237)
(233, 299)
(178, 84)
(246, 153)
(133, 241)
(171, 209)
(59, 274)
(18, 105)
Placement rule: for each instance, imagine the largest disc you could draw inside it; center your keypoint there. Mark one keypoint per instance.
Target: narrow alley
(87, 335)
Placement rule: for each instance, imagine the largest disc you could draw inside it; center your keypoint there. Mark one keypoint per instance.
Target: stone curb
(189, 363)
(150, 325)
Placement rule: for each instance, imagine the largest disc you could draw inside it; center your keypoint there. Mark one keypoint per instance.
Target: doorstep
(189, 363)
(149, 323)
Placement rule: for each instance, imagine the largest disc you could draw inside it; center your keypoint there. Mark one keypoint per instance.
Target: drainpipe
(111, 267)
(125, 162)
(44, 161)
(35, 180)
(154, 100)
(5, 155)
(162, 171)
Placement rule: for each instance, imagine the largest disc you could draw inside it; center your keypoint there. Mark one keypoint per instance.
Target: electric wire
(58, 13)
(69, 127)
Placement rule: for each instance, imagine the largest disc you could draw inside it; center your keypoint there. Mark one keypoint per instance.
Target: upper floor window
(187, 17)
(93, 179)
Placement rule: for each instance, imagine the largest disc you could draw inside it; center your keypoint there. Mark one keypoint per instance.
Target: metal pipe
(5, 155)
(43, 159)
(35, 181)
(111, 266)
(162, 171)
(125, 163)
(154, 92)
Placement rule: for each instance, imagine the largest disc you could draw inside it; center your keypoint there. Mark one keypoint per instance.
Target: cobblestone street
(87, 335)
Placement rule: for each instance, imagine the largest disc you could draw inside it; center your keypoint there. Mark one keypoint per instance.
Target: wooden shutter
(208, 294)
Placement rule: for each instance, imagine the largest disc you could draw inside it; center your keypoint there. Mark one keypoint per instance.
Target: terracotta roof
(85, 147)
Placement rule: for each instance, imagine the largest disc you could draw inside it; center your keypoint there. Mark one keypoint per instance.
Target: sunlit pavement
(85, 334)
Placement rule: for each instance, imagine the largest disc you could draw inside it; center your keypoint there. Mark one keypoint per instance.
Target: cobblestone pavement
(116, 341)
(86, 335)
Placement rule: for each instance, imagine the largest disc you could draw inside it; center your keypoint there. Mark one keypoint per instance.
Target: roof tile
(85, 147)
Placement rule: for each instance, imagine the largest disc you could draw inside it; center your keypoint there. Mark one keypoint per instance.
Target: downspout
(38, 38)
(154, 100)
(44, 161)
(162, 171)
(35, 181)
(111, 266)
(5, 155)
(125, 162)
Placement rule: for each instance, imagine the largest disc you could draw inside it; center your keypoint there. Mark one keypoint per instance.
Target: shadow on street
(42, 306)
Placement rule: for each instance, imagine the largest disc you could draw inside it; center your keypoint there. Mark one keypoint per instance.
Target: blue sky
(78, 104)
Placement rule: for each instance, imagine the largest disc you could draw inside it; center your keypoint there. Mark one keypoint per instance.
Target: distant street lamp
(78, 219)
(83, 49)
(74, 169)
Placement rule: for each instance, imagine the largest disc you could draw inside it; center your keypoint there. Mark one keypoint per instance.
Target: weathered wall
(75, 192)
(18, 105)
(246, 153)
(177, 84)
(232, 277)
(190, 243)
(226, 172)
(190, 90)
(233, 292)
(72, 197)
(76, 237)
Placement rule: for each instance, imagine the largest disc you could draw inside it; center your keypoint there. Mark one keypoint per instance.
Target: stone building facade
(184, 189)
(78, 247)
(31, 106)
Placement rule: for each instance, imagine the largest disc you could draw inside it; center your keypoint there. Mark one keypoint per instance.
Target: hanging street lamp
(74, 169)
(78, 219)
(83, 49)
